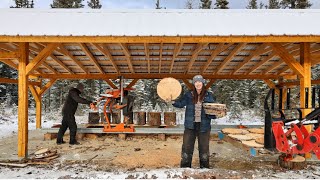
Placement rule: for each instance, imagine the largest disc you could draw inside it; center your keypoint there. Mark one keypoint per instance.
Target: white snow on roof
(213, 22)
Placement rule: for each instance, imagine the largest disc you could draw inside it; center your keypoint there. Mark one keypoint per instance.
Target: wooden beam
(37, 99)
(128, 56)
(45, 65)
(175, 54)
(297, 83)
(288, 59)
(261, 49)
(210, 83)
(9, 63)
(23, 100)
(133, 82)
(305, 80)
(104, 50)
(188, 84)
(15, 81)
(66, 52)
(55, 59)
(194, 56)
(47, 86)
(159, 39)
(146, 52)
(221, 47)
(36, 62)
(230, 57)
(111, 84)
(160, 57)
(9, 55)
(271, 85)
(91, 57)
(152, 76)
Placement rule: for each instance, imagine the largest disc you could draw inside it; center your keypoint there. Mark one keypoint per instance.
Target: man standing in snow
(68, 111)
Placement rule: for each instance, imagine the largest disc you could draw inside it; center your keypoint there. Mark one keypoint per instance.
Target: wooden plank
(37, 99)
(188, 84)
(91, 57)
(288, 59)
(175, 54)
(194, 56)
(133, 82)
(15, 81)
(104, 50)
(151, 76)
(111, 83)
(305, 80)
(9, 63)
(55, 59)
(9, 55)
(297, 83)
(230, 57)
(47, 86)
(147, 54)
(260, 50)
(271, 85)
(66, 52)
(158, 39)
(221, 47)
(23, 100)
(128, 55)
(41, 57)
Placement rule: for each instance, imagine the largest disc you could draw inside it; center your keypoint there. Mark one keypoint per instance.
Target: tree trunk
(154, 118)
(170, 118)
(116, 117)
(140, 118)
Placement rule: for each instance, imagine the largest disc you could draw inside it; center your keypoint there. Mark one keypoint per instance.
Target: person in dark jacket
(197, 124)
(69, 109)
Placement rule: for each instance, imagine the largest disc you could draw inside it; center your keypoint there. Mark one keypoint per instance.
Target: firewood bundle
(220, 110)
(44, 155)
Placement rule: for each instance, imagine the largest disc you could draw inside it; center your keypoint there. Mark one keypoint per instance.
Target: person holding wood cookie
(197, 124)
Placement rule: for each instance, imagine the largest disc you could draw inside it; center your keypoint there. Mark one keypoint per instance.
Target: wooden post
(23, 101)
(38, 108)
(305, 81)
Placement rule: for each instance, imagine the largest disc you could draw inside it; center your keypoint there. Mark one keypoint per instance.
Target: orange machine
(110, 97)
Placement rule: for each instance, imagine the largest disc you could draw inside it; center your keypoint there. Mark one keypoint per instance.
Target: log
(93, 118)
(154, 118)
(116, 117)
(170, 118)
(296, 163)
(140, 118)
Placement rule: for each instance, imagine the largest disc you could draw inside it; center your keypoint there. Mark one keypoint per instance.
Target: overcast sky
(146, 4)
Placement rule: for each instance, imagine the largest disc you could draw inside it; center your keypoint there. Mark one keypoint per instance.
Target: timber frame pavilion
(47, 45)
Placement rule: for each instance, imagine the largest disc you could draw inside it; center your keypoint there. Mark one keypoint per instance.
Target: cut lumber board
(14, 164)
(256, 130)
(234, 131)
(240, 137)
(252, 143)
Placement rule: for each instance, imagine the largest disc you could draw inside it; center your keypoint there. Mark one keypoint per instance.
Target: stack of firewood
(44, 155)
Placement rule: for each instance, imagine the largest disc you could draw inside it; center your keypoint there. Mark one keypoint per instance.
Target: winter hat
(80, 87)
(198, 78)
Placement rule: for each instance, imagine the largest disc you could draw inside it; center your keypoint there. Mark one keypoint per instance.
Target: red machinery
(297, 139)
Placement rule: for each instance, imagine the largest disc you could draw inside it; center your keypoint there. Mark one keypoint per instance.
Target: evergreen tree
(274, 4)
(296, 4)
(221, 4)
(252, 4)
(67, 4)
(23, 4)
(94, 4)
(190, 4)
(205, 4)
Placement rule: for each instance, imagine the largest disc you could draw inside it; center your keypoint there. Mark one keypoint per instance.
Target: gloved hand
(94, 103)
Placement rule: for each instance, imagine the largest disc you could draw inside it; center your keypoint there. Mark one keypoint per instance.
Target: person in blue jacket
(197, 124)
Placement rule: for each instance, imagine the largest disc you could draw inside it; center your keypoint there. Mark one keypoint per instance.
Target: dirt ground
(109, 153)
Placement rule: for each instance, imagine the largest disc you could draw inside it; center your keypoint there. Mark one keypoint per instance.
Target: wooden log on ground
(93, 118)
(116, 117)
(140, 118)
(154, 118)
(170, 118)
(296, 163)
(49, 136)
(92, 136)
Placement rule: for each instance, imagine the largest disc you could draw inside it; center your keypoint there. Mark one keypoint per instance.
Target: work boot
(186, 160)
(74, 143)
(204, 161)
(60, 142)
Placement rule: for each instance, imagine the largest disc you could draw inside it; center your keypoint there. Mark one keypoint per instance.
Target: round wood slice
(260, 140)
(298, 158)
(240, 137)
(234, 131)
(41, 151)
(255, 136)
(169, 89)
(252, 143)
(256, 130)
